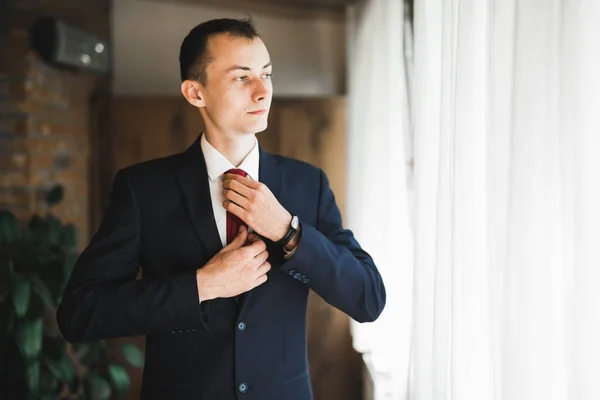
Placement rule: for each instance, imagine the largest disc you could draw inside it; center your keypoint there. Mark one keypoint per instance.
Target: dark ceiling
(308, 5)
(332, 4)
(335, 8)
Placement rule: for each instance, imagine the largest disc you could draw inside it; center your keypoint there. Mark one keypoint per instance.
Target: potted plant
(36, 259)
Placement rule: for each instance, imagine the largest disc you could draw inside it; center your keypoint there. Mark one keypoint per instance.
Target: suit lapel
(193, 180)
(270, 174)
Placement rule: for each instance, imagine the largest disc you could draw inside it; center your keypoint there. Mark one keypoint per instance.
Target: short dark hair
(194, 55)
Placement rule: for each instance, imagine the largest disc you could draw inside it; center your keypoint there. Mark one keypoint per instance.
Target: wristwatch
(291, 231)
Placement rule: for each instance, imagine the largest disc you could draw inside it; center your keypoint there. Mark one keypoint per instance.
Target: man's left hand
(253, 203)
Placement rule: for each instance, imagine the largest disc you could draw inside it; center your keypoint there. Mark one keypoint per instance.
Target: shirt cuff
(288, 254)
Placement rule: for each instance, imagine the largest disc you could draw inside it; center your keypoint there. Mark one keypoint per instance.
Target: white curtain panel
(506, 119)
(377, 197)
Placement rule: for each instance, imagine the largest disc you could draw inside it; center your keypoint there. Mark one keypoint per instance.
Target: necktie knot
(236, 171)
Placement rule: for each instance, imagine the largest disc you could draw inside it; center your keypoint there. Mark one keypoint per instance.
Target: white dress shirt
(216, 166)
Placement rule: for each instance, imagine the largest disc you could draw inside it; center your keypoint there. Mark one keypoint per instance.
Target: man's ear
(191, 90)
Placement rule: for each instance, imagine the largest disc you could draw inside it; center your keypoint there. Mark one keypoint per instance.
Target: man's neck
(235, 149)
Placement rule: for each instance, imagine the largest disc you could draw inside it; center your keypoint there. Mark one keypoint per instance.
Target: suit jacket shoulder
(151, 170)
(300, 175)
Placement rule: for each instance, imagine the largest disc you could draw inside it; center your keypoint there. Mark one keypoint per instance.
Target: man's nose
(261, 90)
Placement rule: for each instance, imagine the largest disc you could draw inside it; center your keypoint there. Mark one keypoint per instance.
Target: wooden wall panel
(311, 130)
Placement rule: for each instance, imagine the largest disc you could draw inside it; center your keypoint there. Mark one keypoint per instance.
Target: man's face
(238, 91)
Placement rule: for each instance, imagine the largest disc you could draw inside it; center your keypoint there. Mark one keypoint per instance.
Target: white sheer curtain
(377, 200)
(506, 118)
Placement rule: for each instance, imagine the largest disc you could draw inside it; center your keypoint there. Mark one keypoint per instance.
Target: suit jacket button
(243, 387)
(292, 271)
(297, 275)
(241, 326)
(306, 280)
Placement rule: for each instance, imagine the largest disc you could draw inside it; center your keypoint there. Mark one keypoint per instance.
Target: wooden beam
(277, 8)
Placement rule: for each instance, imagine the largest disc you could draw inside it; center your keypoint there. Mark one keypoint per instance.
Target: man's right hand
(235, 269)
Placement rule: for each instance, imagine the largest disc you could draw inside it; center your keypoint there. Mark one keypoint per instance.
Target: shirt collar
(217, 164)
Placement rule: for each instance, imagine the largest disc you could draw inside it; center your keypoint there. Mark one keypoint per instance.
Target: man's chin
(257, 128)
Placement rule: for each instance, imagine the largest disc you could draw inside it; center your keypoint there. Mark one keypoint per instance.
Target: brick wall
(45, 130)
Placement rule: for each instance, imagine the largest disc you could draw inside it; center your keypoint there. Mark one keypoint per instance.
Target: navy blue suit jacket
(160, 218)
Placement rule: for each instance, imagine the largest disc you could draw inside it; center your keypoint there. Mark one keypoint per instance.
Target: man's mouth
(257, 112)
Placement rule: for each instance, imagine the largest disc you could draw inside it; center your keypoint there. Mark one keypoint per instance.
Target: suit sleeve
(331, 262)
(103, 299)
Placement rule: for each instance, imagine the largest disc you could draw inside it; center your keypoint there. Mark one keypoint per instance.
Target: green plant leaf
(119, 377)
(69, 373)
(133, 355)
(21, 292)
(69, 237)
(97, 388)
(6, 267)
(64, 370)
(39, 228)
(9, 227)
(55, 230)
(88, 352)
(54, 195)
(33, 379)
(54, 368)
(54, 347)
(29, 338)
(37, 308)
(52, 277)
(49, 384)
(42, 290)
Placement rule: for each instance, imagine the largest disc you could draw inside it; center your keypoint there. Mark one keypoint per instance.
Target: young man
(230, 239)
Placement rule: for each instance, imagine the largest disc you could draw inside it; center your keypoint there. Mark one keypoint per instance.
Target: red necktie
(233, 224)
(233, 221)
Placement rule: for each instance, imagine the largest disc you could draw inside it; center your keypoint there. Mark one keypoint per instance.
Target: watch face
(295, 222)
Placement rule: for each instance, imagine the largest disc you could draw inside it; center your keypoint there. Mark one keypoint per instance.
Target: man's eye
(267, 76)
(241, 78)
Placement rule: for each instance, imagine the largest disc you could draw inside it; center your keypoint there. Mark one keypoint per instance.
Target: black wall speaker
(67, 46)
